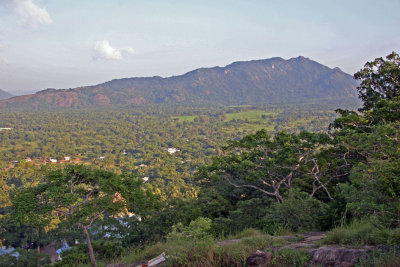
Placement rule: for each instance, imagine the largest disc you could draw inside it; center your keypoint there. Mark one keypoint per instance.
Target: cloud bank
(103, 50)
(30, 14)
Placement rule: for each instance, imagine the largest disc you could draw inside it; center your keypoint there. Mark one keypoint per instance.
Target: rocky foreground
(334, 256)
(321, 255)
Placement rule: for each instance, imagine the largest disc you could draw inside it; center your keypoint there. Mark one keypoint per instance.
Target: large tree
(379, 79)
(272, 164)
(79, 195)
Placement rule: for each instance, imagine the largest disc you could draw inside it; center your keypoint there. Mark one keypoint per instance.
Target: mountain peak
(264, 81)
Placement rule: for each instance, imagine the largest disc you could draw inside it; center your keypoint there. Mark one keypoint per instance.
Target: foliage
(265, 164)
(196, 230)
(375, 185)
(105, 250)
(26, 258)
(78, 195)
(23, 235)
(298, 211)
(379, 79)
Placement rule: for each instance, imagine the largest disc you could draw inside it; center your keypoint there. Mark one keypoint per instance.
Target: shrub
(74, 256)
(104, 250)
(28, 258)
(297, 211)
(197, 229)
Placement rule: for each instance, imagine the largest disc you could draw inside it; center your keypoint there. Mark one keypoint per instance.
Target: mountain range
(4, 95)
(268, 81)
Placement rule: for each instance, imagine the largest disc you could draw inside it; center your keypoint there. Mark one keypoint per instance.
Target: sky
(71, 43)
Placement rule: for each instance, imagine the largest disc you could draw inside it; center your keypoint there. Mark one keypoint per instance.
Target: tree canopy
(78, 195)
(379, 79)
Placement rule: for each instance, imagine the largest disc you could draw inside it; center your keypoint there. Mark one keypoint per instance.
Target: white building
(172, 150)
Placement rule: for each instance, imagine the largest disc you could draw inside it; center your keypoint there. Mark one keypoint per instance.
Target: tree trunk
(89, 244)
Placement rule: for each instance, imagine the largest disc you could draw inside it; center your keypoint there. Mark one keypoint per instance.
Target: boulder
(260, 259)
(338, 256)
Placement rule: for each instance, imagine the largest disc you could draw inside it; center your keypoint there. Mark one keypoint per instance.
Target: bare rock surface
(338, 256)
(330, 256)
(260, 259)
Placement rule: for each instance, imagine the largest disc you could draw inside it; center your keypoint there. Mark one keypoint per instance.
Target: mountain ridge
(262, 81)
(5, 95)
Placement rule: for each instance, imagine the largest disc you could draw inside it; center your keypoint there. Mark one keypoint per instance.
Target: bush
(297, 211)
(28, 258)
(103, 249)
(247, 214)
(196, 230)
(74, 256)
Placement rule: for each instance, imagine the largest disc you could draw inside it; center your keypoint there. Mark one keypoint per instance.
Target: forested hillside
(271, 81)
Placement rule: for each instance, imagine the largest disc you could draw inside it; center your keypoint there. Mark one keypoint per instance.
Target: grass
(251, 116)
(249, 232)
(358, 233)
(184, 252)
(291, 257)
(377, 258)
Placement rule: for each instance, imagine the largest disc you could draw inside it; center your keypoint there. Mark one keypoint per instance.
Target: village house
(172, 150)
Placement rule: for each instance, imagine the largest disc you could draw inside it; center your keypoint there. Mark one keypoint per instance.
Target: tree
(78, 195)
(379, 79)
(270, 165)
(372, 142)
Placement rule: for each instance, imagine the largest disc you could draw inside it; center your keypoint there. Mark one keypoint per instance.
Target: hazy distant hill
(268, 81)
(4, 95)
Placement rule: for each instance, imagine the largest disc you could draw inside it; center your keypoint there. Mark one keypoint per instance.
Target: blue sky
(70, 43)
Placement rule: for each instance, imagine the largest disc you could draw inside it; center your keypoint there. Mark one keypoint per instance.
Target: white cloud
(31, 14)
(104, 50)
